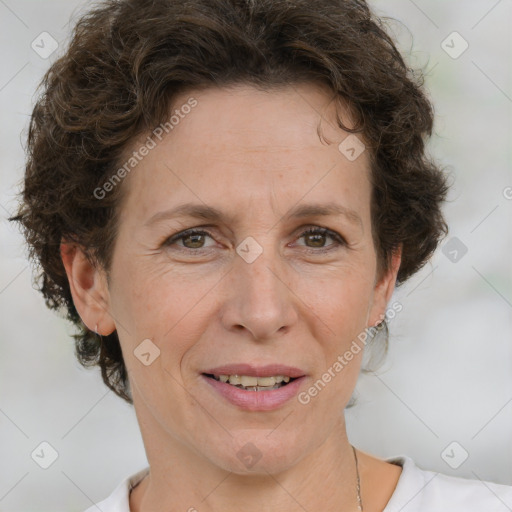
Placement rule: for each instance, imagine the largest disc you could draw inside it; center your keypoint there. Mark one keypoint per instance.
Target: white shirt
(416, 491)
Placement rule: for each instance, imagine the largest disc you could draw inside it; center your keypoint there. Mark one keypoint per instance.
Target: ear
(89, 289)
(384, 289)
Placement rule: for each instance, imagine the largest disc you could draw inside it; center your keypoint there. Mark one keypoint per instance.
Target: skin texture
(255, 156)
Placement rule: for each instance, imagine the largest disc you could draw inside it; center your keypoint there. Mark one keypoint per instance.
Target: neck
(182, 480)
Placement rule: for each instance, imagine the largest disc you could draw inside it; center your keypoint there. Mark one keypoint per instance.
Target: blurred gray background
(444, 395)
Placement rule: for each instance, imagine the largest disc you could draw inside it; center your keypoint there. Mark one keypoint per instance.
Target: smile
(251, 388)
(252, 383)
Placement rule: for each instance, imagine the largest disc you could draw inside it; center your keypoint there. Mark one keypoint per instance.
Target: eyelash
(339, 240)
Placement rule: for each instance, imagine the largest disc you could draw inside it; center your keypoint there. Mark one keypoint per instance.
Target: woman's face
(278, 280)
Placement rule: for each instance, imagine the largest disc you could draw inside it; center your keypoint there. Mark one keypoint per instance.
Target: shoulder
(419, 490)
(119, 499)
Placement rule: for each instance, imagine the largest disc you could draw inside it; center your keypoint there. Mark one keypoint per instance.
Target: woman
(223, 195)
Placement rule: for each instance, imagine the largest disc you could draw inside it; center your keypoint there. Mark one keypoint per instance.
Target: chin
(258, 451)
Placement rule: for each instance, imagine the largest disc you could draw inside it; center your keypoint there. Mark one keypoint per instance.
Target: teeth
(266, 381)
(235, 379)
(249, 381)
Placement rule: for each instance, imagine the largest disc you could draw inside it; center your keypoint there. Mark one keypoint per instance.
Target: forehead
(245, 139)
(261, 120)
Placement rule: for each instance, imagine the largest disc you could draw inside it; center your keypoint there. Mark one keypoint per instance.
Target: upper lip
(268, 370)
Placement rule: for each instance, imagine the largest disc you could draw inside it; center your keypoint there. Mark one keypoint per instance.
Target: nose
(259, 300)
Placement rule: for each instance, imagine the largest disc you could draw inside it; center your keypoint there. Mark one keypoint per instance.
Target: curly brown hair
(127, 61)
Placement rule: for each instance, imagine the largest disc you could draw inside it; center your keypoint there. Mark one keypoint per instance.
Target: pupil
(196, 241)
(318, 239)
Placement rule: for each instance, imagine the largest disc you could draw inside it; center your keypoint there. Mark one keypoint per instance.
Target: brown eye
(315, 239)
(193, 241)
(318, 238)
(190, 240)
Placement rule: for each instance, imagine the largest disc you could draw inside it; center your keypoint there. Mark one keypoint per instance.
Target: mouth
(253, 383)
(262, 388)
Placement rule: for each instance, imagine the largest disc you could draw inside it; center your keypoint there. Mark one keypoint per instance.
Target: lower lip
(256, 400)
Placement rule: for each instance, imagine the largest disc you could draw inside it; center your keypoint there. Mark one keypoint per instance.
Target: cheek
(344, 312)
(172, 315)
(341, 303)
(169, 309)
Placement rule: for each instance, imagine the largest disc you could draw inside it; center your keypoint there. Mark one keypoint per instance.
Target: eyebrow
(187, 210)
(209, 213)
(324, 210)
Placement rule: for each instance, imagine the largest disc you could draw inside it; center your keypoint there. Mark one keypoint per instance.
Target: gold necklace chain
(358, 487)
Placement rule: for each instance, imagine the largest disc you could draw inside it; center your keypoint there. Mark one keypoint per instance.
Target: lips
(270, 370)
(255, 398)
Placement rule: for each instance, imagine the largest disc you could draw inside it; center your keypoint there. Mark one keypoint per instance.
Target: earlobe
(384, 289)
(89, 289)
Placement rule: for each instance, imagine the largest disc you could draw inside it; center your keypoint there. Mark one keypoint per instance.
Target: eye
(316, 238)
(190, 239)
